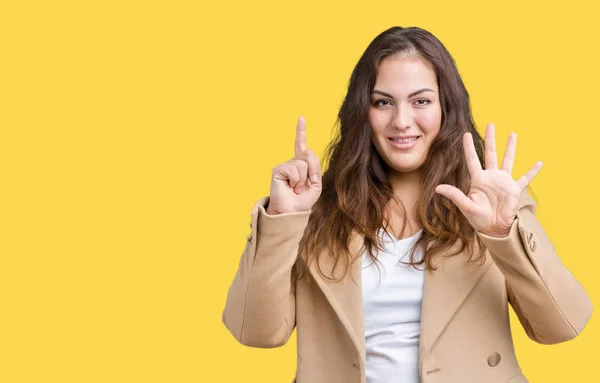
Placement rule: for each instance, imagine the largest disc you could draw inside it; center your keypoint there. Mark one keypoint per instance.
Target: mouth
(404, 143)
(403, 140)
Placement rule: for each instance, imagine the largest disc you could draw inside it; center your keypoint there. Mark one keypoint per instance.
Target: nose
(404, 117)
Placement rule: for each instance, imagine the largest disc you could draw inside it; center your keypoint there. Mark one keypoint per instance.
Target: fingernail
(315, 178)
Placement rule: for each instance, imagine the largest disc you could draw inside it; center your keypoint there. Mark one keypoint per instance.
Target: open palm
(491, 204)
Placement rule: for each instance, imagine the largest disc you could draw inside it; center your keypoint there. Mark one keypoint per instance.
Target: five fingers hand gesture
(491, 204)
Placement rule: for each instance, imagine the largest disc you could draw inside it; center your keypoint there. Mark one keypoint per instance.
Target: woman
(397, 264)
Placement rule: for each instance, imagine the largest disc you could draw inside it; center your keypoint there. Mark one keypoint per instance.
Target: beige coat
(465, 332)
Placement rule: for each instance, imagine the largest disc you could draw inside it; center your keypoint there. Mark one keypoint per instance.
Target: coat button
(494, 359)
(533, 246)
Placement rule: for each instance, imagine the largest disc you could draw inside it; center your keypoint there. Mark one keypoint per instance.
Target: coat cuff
(507, 247)
(285, 226)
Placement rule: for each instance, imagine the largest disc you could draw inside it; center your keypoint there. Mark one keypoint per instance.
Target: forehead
(401, 75)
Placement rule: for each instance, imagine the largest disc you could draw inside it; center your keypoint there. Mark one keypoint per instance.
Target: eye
(422, 102)
(381, 102)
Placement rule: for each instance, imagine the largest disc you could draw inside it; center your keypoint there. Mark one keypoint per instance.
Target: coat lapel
(345, 296)
(445, 289)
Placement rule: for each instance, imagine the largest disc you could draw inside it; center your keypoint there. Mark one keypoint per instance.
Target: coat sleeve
(550, 303)
(260, 308)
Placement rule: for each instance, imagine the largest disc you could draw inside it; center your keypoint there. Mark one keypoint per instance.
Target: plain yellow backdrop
(137, 135)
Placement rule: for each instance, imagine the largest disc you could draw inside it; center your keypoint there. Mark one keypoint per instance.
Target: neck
(407, 190)
(406, 186)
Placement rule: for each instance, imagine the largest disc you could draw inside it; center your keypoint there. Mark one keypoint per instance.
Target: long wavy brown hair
(356, 189)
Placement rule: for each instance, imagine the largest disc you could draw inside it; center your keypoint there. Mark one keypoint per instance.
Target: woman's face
(405, 113)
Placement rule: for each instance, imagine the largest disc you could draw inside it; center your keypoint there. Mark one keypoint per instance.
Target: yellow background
(137, 135)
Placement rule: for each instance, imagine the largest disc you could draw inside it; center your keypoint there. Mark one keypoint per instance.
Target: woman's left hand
(491, 205)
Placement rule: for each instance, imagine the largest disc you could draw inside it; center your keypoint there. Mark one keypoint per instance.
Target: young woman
(398, 263)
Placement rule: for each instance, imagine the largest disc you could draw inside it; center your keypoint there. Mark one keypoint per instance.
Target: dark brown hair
(356, 189)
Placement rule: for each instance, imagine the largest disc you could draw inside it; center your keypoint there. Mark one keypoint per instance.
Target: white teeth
(404, 139)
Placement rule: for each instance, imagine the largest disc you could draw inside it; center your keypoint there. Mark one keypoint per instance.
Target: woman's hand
(296, 184)
(491, 205)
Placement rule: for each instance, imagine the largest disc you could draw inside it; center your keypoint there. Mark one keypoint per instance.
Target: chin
(404, 167)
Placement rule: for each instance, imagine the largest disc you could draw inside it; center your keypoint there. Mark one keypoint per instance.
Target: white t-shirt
(392, 296)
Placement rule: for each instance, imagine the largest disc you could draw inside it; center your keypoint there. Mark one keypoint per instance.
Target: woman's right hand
(296, 184)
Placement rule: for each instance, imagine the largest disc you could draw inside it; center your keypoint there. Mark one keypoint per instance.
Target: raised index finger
(300, 146)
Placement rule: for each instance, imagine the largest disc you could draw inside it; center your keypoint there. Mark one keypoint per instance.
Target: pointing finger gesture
(296, 184)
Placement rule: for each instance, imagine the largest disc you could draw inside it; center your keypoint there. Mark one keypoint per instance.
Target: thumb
(454, 194)
(314, 169)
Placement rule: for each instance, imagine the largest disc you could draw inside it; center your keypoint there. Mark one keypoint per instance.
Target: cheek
(378, 121)
(430, 122)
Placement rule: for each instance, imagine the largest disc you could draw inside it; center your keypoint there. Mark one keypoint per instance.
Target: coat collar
(445, 289)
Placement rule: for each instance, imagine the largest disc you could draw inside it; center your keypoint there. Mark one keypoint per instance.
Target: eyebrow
(409, 96)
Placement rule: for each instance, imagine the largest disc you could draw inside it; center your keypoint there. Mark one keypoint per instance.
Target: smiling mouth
(404, 140)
